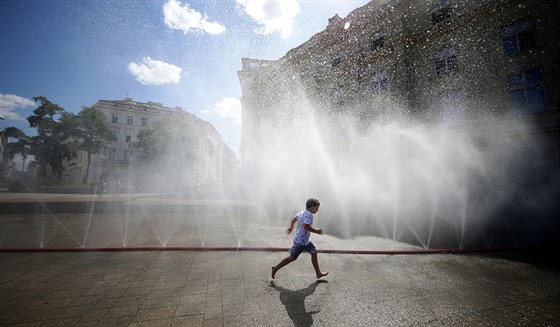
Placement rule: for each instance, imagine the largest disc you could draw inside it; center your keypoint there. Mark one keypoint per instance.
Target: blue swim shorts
(297, 249)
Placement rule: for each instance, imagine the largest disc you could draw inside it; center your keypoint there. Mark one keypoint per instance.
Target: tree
(53, 143)
(44, 116)
(21, 146)
(91, 130)
(150, 145)
(168, 141)
(166, 154)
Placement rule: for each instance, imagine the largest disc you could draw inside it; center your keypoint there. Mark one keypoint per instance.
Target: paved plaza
(166, 287)
(192, 288)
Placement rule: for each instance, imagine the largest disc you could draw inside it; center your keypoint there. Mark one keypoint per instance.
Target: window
(376, 41)
(144, 121)
(129, 120)
(115, 119)
(440, 11)
(518, 36)
(446, 61)
(336, 60)
(526, 91)
(128, 136)
(379, 82)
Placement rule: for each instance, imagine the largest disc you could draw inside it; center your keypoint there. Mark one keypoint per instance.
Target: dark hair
(311, 202)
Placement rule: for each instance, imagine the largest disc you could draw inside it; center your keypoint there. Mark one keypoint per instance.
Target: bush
(20, 185)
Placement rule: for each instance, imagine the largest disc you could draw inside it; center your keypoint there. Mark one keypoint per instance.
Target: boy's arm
(310, 229)
(292, 224)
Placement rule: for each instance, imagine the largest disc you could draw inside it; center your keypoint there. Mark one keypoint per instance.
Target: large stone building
(214, 163)
(497, 58)
(465, 66)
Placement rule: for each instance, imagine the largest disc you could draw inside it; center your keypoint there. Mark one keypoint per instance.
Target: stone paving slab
(192, 288)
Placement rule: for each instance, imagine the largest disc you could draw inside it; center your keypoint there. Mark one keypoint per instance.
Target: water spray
(256, 249)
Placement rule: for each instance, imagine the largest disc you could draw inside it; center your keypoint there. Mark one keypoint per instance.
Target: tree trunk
(85, 179)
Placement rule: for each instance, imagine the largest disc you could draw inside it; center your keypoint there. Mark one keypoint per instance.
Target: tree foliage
(166, 154)
(60, 135)
(21, 146)
(90, 129)
(169, 141)
(52, 145)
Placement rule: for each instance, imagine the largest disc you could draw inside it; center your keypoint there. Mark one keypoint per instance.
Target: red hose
(245, 248)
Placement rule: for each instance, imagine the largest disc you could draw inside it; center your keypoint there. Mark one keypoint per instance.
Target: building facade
(214, 163)
(450, 61)
(327, 119)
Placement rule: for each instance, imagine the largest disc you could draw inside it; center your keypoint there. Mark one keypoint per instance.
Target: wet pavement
(233, 288)
(192, 288)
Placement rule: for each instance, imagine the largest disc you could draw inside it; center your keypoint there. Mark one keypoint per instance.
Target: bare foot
(274, 270)
(323, 274)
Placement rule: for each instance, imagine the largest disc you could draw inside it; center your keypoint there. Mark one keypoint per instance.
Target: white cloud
(185, 18)
(10, 102)
(273, 15)
(229, 108)
(155, 72)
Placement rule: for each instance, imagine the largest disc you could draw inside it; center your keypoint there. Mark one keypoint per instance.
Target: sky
(177, 53)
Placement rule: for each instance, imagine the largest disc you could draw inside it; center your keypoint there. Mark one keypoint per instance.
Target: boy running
(302, 238)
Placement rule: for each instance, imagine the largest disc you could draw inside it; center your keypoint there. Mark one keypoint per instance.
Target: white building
(128, 117)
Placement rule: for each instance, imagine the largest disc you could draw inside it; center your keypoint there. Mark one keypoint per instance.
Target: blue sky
(178, 53)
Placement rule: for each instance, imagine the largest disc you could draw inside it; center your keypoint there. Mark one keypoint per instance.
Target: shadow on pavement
(294, 301)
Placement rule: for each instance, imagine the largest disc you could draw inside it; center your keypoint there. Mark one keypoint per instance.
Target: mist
(432, 184)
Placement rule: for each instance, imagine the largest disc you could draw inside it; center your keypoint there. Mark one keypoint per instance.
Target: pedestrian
(101, 187)
(118, 187)
(302, 238)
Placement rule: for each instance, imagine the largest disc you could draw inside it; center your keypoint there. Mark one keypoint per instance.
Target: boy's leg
(315, 262)
(281, 264)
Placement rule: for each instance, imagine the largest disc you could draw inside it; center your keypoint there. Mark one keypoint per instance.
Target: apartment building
(453, 62)
(214, 162)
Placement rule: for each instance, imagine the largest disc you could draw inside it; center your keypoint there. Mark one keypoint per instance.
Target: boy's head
(312, 202)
